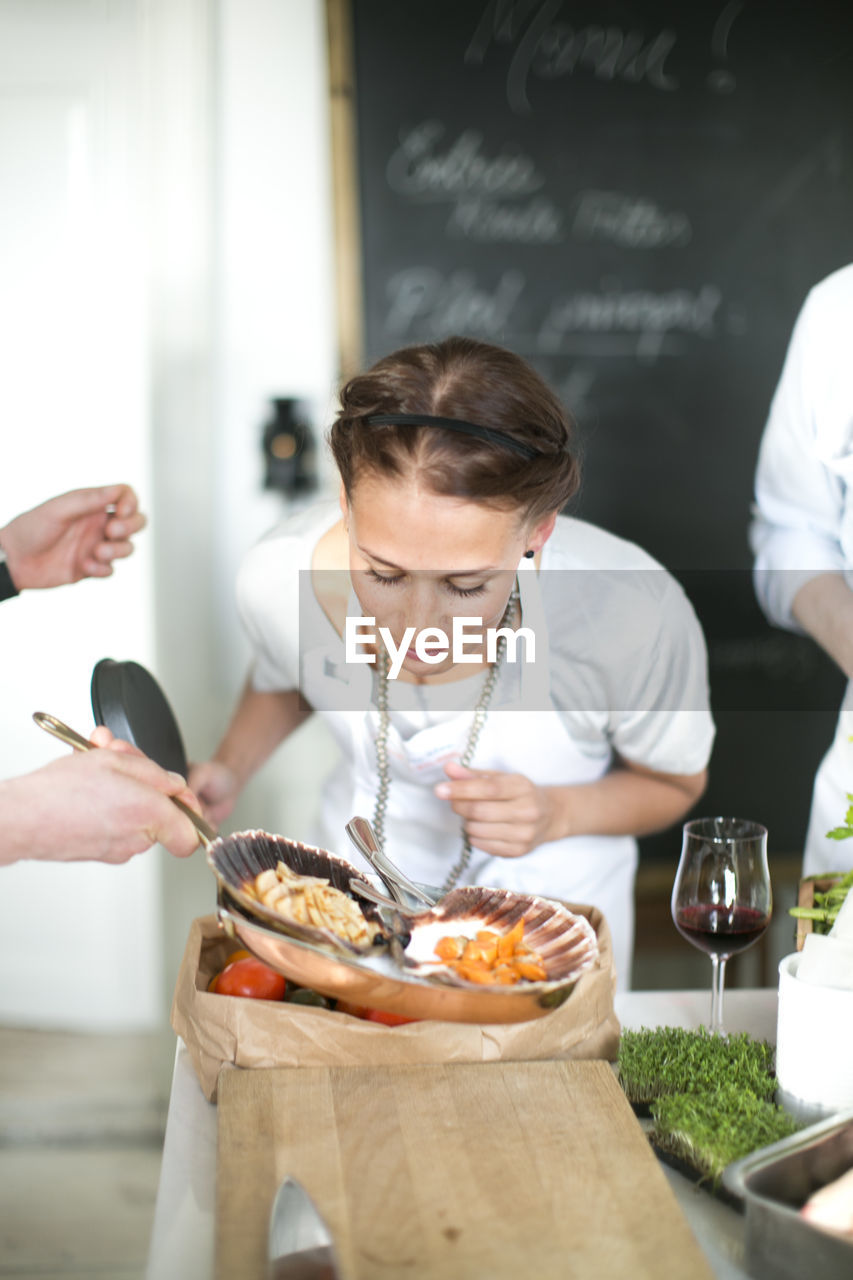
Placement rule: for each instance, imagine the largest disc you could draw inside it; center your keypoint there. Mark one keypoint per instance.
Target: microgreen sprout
(711, 1096)
(670, 1060)
(709, 1130)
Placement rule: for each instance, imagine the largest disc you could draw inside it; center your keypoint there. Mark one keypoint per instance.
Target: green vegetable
(827, 903)
(845, 831)
(710, 1130)
(669, 1060)
(304, 995)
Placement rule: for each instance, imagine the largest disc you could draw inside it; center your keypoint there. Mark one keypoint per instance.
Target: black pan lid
(129, 701)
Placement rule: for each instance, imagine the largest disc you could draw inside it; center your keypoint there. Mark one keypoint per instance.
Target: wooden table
(182, 1245)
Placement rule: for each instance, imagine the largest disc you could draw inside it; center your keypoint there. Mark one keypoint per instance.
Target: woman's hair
(477, 383)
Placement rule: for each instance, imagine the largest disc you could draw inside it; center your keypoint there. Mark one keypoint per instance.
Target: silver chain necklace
(477, 723)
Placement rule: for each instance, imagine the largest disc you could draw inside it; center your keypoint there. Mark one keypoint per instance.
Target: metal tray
(774, 1184)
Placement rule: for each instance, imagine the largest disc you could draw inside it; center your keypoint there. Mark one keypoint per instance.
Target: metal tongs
(400, 888)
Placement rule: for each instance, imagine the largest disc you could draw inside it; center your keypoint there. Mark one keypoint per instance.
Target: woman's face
(419, 559)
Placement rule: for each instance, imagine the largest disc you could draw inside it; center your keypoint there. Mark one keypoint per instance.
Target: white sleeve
(660, 716)
(795, 533)
(268, 601)
(629, 668)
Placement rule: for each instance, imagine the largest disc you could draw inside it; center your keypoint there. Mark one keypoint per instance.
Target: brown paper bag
(228, 1031)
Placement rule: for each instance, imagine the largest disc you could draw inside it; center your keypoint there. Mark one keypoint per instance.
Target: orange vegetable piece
(448, 948)
(508, 943)
(491, 958)
(479, 973)
(479, 954)
(531, 968)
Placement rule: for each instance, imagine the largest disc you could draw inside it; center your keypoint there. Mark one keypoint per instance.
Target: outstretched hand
(73, 536)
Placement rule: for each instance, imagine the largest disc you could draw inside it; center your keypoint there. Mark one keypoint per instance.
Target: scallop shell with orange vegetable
(566, 942)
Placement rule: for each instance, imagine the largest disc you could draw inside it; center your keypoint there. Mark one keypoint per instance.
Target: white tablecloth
(183, 1235)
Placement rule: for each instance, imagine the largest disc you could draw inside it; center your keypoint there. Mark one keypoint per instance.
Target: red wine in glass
(721, 931)
(721, 898)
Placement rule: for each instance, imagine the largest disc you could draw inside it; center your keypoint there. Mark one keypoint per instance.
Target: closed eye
(393, 580)
(465, 592)
(386, 582)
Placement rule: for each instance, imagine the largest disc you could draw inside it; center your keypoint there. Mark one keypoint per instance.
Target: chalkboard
(637, 197)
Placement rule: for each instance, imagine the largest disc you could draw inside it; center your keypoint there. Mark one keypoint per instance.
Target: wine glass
(721, 899)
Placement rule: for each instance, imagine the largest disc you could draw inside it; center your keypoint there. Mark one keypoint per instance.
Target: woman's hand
(505, 814)
(217, 788)
(76, 535)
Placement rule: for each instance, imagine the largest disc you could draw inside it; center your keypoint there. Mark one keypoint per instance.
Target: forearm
(626, 801)
(19, 814)
(824, 608)
(261, 721)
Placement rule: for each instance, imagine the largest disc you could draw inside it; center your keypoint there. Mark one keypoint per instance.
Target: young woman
(478, 764)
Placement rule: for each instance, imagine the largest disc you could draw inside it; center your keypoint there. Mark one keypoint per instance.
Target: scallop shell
(565, 941)
(238, 858)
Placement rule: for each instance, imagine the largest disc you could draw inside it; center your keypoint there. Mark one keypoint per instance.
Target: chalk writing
(419, 171)
(629, 221)
(488, 191)
(613, 310)
(721, 79)
(612, 322)
(537, 221)
(423, 298)
(548, 49)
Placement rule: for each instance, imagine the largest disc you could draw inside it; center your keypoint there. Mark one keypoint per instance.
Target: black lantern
(289, 450)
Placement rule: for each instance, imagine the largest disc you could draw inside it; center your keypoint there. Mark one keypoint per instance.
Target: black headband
(455, 424)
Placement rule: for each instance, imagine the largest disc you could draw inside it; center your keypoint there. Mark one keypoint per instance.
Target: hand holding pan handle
(59, 730)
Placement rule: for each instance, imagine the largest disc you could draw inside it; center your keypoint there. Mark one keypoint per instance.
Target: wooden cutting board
(482, 1171)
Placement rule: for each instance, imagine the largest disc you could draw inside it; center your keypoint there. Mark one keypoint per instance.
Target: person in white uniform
(802, 533)
(477, 766)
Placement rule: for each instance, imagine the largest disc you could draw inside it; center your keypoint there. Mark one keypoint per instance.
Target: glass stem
(718, 978)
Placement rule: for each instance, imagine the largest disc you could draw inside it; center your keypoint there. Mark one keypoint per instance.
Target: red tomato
(373, 1015)
(250, 978)
(389, 1019)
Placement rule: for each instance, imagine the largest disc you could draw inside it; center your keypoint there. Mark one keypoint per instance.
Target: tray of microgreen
(710, 1099)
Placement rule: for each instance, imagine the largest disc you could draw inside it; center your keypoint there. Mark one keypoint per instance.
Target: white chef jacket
(620, 668)
(803, 523)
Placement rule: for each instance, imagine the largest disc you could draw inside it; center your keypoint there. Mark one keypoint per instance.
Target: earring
(528, 555)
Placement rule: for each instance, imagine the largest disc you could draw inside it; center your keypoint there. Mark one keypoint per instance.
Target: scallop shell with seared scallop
(565, 941)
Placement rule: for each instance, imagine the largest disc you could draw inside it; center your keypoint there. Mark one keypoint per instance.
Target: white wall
(196, 284)
(274, 335)
(73, 404)
(274, 257)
